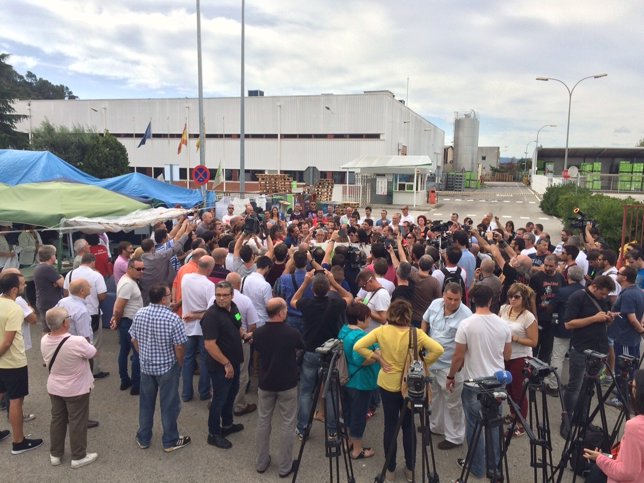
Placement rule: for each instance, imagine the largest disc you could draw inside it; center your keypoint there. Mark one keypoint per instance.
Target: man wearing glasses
(127, 304)
(159, 335)
(221, 326)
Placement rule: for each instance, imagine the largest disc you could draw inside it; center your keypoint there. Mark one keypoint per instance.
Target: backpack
(454, 277)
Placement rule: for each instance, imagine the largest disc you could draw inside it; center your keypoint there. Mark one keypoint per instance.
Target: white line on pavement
(524, 217)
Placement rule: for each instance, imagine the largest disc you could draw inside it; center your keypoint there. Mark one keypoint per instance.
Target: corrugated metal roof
(389, 164)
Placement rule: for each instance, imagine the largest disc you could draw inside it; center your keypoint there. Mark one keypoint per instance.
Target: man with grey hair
(47, 281)
(74, 305)
(529, 240)
(98, 293)
(81, 247)
(196, 291)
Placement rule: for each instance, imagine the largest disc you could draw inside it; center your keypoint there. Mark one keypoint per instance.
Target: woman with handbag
(628, 464)
(69, 384)
(363, 374)
(395, 342)
(525, 334)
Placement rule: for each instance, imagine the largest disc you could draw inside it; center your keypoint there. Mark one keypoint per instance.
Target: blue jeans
(296, 321)
(576, 371)
(472, 408)
(195, 343)
(392, 405)
(311, 364)
(223, 400)
(355, 411)
(125, 343)
(167, 386)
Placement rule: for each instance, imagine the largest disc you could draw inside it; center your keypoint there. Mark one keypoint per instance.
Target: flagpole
(242, 129)
(223, 147)
(134, 137)
(188, 145)
(202, 127)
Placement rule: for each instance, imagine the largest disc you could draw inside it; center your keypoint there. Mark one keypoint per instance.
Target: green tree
(9, 137)
(641, 143)
(100, 155)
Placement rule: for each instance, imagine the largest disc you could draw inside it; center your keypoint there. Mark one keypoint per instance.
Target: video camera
(329, 347)
(417, 381)
(355, 258)
(595, 361)
(487, 388)
(536, 369)
(581, 219)
(626, 364)
(439, 227)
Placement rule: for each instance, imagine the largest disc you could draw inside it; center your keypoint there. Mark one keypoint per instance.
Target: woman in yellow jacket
(393, 340)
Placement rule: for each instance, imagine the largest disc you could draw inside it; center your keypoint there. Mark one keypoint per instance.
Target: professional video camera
(355, 258)
(438, 226)
(581, 219)
(416, 381)
(626, 363)
(444, 238)
(536, 369)
(595, 361)
(329, 347)
(487, 388)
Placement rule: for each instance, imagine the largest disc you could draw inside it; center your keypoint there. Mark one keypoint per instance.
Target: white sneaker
(55, 460)
(89, 458)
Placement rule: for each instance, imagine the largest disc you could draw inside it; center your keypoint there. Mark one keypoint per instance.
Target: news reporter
(393, 340)
(629, 464)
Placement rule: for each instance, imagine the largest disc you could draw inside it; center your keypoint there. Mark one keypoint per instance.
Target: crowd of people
(244, 300)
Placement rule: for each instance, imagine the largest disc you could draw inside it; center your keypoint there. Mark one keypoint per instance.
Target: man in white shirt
(483, 343)
(76, 307)
(377, 298)
(258, 289)
(406, 216)
(196, 292)
(529, 240)
(98, 293)
(229, 215)
(249, 321)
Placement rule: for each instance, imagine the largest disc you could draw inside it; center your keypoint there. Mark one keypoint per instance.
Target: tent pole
(59, 251)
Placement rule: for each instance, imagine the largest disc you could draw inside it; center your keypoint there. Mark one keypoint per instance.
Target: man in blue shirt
(441, 320)
(287, 285)
(468, 260)
(627, 329)
(158, 335)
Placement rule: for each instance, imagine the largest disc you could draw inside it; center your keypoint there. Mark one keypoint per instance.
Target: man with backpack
(451, 272)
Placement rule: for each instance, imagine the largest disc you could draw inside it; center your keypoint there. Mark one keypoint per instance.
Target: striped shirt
(157, 330)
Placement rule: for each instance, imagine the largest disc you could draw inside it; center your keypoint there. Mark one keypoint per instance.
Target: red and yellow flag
(184, 138)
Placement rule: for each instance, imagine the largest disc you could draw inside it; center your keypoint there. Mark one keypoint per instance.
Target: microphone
(504, 377)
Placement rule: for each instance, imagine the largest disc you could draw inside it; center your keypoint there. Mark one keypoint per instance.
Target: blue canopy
(20, 167)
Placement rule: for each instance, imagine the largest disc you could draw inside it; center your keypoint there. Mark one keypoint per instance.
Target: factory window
(483, 158)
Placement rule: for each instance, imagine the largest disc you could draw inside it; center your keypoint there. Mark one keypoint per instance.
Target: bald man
(74, 303)
(277, 344)
(219, 272)
(249, 319)
(196, 292)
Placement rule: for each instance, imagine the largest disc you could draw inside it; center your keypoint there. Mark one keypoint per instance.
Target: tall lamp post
(525, 159)
(536, 148)
(570, 91)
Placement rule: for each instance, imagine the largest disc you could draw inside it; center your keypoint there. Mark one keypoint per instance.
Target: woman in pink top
(629, 464)
(69, 384)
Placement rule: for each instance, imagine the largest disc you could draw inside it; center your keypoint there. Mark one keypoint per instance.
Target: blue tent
(20, 167)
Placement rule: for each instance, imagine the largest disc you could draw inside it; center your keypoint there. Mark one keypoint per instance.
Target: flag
(198, 143)
(184, 138)
(219, 177)
(147, 135)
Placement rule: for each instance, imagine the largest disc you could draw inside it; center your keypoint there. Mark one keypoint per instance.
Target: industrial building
(284, 134)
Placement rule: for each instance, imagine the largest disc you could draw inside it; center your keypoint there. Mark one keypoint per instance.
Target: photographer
(627, 466)
(393, 340)
(587, 317)
(321, 315)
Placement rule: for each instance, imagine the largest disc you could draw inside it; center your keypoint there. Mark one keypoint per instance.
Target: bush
(606, 211)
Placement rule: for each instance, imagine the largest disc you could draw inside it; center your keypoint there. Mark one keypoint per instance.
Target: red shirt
(103, 264)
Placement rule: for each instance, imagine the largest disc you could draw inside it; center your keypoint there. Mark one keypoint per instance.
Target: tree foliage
(9, 137)
(101, 155)
(561, 200)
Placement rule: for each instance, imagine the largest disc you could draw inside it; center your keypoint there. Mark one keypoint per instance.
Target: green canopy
(46, 204)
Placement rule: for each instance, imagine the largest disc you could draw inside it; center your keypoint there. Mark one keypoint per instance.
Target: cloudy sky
(458, 55)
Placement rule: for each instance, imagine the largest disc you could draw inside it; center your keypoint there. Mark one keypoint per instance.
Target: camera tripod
(541, 442)
(582, 417)
(488, 422)
(414, 407)
(336, 444)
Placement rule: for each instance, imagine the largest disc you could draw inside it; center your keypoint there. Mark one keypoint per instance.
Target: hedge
(606, 211)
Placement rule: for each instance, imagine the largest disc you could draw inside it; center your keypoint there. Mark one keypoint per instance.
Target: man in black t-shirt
(546, 284)
(321, 315)
(277, 343)
(223, 341)
(587, 317)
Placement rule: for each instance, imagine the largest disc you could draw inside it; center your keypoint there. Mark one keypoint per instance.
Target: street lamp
(570, 91)
(536, 148)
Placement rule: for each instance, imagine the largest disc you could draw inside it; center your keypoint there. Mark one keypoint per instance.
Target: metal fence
(615, 183)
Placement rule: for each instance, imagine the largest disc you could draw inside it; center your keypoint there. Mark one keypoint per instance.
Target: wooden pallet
(323, 190)
(270, 184)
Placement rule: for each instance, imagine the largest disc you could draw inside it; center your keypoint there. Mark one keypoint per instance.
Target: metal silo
(466, 141)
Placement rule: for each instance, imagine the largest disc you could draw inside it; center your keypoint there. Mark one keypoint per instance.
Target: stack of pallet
(323, 190)
(270, 184)
(592, 173)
